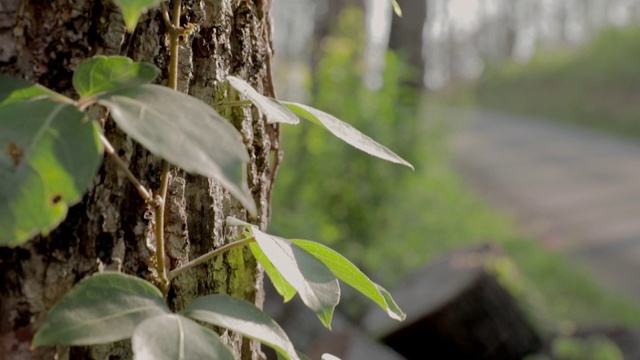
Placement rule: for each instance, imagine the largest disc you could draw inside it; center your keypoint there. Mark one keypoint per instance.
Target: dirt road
(575, 189)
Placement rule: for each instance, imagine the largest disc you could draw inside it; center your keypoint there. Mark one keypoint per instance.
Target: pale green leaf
(103, 308)
(279, 283)
(346, 132)
(49, 155)
(344, 270)
(175, 337)
(300, 355)
(282, 286)
(271, 108)
(318, 288)
(186, 132)
(241, 316)
(102, 74)
(326, 356)
(396, 8)
(14, 89)
(131, 10)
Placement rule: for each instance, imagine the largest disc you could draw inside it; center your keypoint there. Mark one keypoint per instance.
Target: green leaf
(271, 108)
(186, 132)
(282, 286)
(300, 355)
(326, 356)
(102, 74)
(131, 10)
(346, 132)
(49, 155)
(14, 89)
(318, 288)
(103, 308)
(344, 270)
(174, 337)
(241, 316)
(396, 8)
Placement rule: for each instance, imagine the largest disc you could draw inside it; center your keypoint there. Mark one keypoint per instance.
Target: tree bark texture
(112, 228)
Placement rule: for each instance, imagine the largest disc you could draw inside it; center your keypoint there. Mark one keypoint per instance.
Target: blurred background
(522, 120)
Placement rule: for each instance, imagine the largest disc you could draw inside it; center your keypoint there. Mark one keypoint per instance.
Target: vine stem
(213, 253)
(108, 148)
(174, 37)
(232, 103)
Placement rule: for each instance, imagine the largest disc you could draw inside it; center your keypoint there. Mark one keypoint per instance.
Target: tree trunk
(406, 37)
(44, 41)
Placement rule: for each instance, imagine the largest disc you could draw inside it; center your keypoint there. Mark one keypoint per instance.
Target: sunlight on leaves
(346, 132)
(131, 10)
(282, 286)
(318, 288)
(103, 308)
(272, 109)
(102, 74)
(344, 270)
(49, 156)
(241, 316)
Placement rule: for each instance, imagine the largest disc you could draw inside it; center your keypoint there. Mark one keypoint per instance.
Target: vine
(53, 150)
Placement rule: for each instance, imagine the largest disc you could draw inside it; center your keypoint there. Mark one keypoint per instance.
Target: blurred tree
(406, 37)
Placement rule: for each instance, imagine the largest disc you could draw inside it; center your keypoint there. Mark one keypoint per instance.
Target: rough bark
(44, 41)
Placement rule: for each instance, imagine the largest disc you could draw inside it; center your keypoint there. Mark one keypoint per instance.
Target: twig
(164, 178)
(213, 253)
(108, 148)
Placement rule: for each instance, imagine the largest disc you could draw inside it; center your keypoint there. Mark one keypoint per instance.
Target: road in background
(575, 189)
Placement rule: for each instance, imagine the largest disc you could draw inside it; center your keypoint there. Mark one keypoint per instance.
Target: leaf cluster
(52, 150)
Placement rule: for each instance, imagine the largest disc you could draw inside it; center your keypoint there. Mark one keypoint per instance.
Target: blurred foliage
(575, 348)
(390, 220)
(595, 86)
(341, 194)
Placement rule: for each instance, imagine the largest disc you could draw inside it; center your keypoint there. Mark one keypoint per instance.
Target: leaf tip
(396, 8)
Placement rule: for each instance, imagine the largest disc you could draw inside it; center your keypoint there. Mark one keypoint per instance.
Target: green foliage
(49, 156)
(271, 108)
(171, 337)
(186, 132)
(593, 348)
(103, 308)
(594, 86)
(102, 74)
(305, 266)
(131, 10)
(108, 307)
(359, 209)
(350, 274)
(346, 132)
(354, 207)
(279, 282)
(241, 316)
(318, 288)
(13, 90)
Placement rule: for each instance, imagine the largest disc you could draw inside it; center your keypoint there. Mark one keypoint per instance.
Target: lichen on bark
(44, 41)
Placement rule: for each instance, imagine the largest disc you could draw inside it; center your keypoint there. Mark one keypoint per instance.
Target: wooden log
(457, 310)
